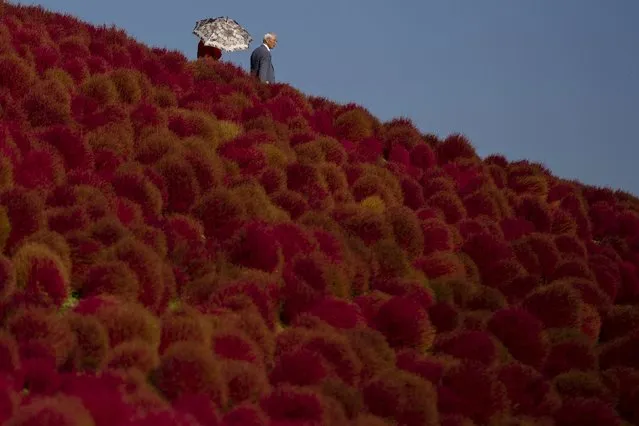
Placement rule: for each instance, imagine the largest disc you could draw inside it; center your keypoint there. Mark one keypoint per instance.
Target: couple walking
(261, 63)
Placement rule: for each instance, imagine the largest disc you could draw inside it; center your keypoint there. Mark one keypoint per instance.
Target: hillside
(184, 246)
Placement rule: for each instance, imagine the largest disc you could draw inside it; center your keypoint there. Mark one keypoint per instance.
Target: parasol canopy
(224, 33)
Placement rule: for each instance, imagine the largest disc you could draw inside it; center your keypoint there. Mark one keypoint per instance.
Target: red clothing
(210, 51)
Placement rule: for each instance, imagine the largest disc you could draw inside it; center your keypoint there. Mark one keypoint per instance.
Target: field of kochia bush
(181, 245)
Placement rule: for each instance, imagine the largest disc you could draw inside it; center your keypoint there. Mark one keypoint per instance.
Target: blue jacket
(261, 65)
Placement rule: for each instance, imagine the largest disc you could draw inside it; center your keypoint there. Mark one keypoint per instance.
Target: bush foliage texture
(184, 246)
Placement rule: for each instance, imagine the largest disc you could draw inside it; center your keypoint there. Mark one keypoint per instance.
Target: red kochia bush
(74, 150)
(468, 344)
(40, 168)
(556, 305)
(338, 313)
(181, 183)
(220, 212)
(407, 398)
(255, 247)
(243, 415)
(7, 279)
(472, 390)
(486, 249)
(530, 394)
(60, 410)
(586, 412)
(521, 333)
(25, 212)
(190, 368)
(293, 239)
(455, 147)
(301, 367)
(404, 323)
(288, 404)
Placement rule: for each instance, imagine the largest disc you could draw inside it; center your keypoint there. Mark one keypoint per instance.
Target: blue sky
(556, 82)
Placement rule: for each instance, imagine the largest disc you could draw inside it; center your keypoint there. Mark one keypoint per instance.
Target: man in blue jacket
(261, 64)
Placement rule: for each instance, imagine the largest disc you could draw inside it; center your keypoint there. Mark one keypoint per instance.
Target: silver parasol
(224, 33)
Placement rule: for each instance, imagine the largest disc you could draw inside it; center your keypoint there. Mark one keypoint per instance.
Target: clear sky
(552, 81)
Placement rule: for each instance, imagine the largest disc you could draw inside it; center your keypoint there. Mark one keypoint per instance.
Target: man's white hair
(268, 36)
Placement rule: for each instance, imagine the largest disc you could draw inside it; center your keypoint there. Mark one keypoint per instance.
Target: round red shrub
(556, 305)
(300, 367)
(76, 67)
(570, 245)
(288, 404)
(293, 239)
(486, 249)
(200, 407)
(137, 187)
(438, 236)
(124, 321)
(586, 412)
(607, 274)
(189, 368)
(530, 394)
(620, 352)
(65, 220)
(246, 382)
(404, 323)
(272, 180)
(7, 279)
(59, 410)
(603, 219)
(146, 115)
(469, 345)
(629, 285)
(582, 384)
(244, 415)
(449, 204)
(355, 123)
(521, 333)
(444, 316)
(423, 157)
(234, 345)
(16, 74)
(133, 354)
(338, 313)
(502, 274)
(42, 332)
(455, 147)
(110, 277)
(40, 168)
(515, 228)
(180, 182)
(220, 213)
(413, 194)
(570, 355)
(404, 397)
(619, 321)
(473, 391)
(45, 57)
(292, 202)
(440, 264)
(147, 266)
(335, 349)
(255, 247)
(401, 131)
(572, 268)
(421, 365)
(535, 211)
